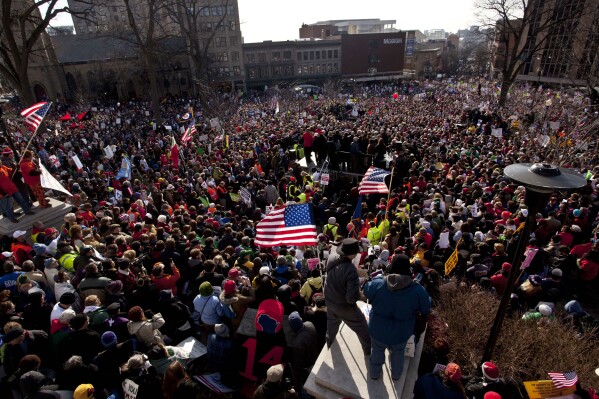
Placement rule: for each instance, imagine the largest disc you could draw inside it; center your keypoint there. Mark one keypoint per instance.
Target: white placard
(130, 389)
(77, 161)
(118, 121)
(102, 125)
(444, 240)
(108, 152)
(147, 113)
(169, 128)
(324, 179)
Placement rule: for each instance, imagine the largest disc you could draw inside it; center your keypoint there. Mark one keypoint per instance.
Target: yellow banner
(452, 262)
(545, 389)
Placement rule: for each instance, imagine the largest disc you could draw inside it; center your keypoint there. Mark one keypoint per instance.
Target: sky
(279, 20)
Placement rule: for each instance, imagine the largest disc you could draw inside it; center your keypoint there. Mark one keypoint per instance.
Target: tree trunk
(24, 89)
(506, 84)
(154, 91)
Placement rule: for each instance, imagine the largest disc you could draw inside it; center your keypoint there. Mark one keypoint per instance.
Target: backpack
(314, 292)
(328, 231)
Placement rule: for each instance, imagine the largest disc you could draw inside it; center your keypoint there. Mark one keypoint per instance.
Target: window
(217, 10)
(324, 54)
(232, 25)
(311, 55)
(264, 72)
(252, 73)
(224, 71)
(317, 68)
(330, 54)
(261, 58)
(206, 26)
(276, 71)
(212, 57)
(318, 55)
(233, 41)
(236, 71)
(205, 12)
(335, 67)
(223, 57)
(299, 55)
(299, 69)
(305, 69)
(235, 56)
(276, 56)
(230, 10)
(335, 54)
(329, 68)
(311, 68)
(251, 58)
(286, 55)
(220, 27)
(288, 70)
(305, 56)
(220, 41)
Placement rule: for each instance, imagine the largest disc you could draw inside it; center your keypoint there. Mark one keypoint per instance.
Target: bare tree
(522, 29)
(584, 56)
(21, 28)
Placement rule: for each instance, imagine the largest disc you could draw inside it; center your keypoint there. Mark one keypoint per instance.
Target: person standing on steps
(342, 291)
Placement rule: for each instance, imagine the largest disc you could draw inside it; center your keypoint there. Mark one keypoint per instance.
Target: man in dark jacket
(396, 301)
(110, 360)
(342, 291)
(305, 348)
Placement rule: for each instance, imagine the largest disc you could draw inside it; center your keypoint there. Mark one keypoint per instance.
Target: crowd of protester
(146, 261)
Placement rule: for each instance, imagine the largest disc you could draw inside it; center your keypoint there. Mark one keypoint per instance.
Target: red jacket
(27, 168)
(168, 281)
(7, 187)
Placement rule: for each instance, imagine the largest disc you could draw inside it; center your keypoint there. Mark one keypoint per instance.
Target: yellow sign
(452, 261)
(545, 389)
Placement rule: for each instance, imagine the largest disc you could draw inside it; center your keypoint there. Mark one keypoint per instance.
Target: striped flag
(289, 225)
(373, 181)
(246, 196)
(35, 114)
(564, 380)
(191, 130)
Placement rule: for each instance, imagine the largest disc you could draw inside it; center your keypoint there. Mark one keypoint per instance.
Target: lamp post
(540, 180)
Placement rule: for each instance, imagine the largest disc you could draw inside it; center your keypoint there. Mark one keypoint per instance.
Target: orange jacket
(7, 187)
(28, 167)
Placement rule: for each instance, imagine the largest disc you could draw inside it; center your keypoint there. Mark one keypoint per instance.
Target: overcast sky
(281, 19)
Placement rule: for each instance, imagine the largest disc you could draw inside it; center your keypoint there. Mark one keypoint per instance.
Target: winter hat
(221, 330)
(109, 339)
(576, 212)
(281, 260)
(48, 262)
(535, 279)
(31, 382)
(18, 233)
(332, 220)
(67, 316)
(229, 287)
(39, 249)
(556, 272)
(274, 373)
(12, 334)
(453, 372)
(68, 298)
(165, 295)
(492, 395)
(7, 152)
(206, 289)
(295, 322)
(233, 273)
(84, 391)
(136, 313)
(490, 371)
(264, 270)
(545, 310)
(506, 267)
(114, 287)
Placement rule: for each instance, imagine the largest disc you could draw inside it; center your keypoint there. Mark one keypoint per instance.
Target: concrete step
(342, 371)
(51, 217)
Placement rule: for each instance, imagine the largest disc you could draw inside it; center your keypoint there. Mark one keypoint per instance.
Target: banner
(545, 389)
(48, 181)
(125, 170)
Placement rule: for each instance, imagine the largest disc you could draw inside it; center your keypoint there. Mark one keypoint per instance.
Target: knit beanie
(109, 339)
(295, 322)
(206, 289)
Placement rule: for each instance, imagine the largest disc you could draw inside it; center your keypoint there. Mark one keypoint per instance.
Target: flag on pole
(48, 181)
(564, 380)
(358, 211)
(35, 114)
(289, 225)
(191, 130)
(452, 261)
(125, 169)
(174, 152)
(246, 196)
(373, 181)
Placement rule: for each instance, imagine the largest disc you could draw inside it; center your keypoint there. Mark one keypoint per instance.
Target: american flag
(289, 225)
(373, 182)
(246, 196)
(564, 380)
(35, 114)
(191, 130)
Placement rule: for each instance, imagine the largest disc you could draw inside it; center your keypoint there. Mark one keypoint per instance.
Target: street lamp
(540, 180)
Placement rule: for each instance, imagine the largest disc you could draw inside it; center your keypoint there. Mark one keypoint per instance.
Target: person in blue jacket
(396, 301)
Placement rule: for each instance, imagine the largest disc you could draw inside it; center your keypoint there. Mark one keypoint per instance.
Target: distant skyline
(280, 20)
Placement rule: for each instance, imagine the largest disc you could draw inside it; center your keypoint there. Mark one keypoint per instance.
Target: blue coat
(430, 386)
(395, 300)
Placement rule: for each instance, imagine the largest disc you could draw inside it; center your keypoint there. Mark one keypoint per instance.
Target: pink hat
(490, 371)
(229, 287)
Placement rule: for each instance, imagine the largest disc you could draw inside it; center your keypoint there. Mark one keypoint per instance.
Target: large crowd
(145, 261)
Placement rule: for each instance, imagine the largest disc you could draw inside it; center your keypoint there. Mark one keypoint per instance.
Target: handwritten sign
(324, 179)
(545, 389)
(529, 256)
(130, 389)
(312, 263)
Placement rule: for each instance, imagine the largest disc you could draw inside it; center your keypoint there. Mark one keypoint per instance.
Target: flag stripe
(289, 225)
(564, 380)
(35, 114)
(373, 182)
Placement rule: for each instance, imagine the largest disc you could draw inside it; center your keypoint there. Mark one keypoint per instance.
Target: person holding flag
(31, 175)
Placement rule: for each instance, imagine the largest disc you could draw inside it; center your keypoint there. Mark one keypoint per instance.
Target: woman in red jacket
(31, 175)
(164, 281)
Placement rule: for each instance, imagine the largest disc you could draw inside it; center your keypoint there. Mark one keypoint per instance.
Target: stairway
(51, 217)
(342, 371)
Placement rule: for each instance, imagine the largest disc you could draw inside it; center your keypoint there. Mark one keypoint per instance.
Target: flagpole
(389, 194)
(31, 139)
